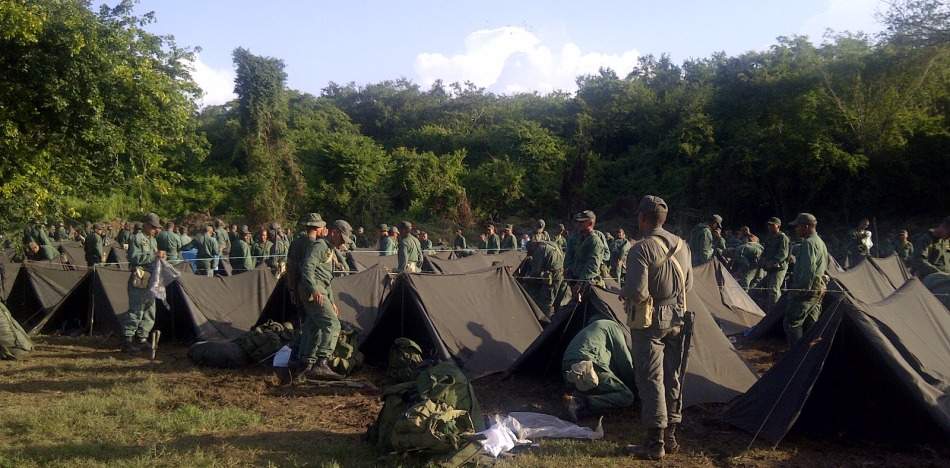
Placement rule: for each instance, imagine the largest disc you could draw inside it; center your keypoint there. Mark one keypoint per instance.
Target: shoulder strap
(670, 256)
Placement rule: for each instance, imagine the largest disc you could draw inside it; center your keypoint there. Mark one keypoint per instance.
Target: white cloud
(218, 85)
(510, 60)
(843, 15)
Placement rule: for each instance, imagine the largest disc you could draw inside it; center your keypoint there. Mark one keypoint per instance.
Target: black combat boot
(652, 446)
(143, 343)
(129, 346)
(671, 446)
(320, 370)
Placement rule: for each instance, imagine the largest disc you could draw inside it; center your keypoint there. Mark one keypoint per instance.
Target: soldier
(492, 242)
(904, 248)
(719, 244)
(240, 256)
(38, 253)
(314, 227)
(859, 242)
(807, 284)
(321, 327)
(170, 242)
(658, 279)
(932, 251)
(143, 253)
(539, 233)
(221, 235)
(701, 240)
(35, 232)
(508, 240)
(208, 252)
(60, 234)
(546, 279)
(745, 263)
(560, 238)
(597, 364)
(261, 247)
(589, 255)
(424, 243)
(460, 244)
(124, 235)
(361, 240)
(93, 247)
(775, 256)
(410, 252)
(278, 254)
(385, 243)
(619, 248)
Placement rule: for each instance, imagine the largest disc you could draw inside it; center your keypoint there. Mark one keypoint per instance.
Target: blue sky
(504, 46)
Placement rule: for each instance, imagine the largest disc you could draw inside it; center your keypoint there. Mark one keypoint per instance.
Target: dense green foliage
(94, 108)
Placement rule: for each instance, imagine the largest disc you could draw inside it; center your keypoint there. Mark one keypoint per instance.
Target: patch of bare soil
(342, 414)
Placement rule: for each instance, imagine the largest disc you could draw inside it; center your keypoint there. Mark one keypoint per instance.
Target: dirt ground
(341, 415)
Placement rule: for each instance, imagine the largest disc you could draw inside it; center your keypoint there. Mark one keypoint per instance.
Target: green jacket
(46, 252)
(295, 257)
(171, 244)
(619, 248)
(588, 257)
(208, 248)
(776, 250)
(603, 343)
(386, 246)
(409, 252)
(316, 272)
(93, 248)
(494, 245)
(905, 250)
(240, 256)
(461, 243)
(224, 240)
(931, 255)
(811, 262)
(701, 244)
(510, 242)
(142, 250)
(547, 257)
(260, 251)
(746, 256)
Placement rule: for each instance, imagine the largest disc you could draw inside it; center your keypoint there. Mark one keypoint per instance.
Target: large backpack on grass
(346, 359)
(404, 356)
(264, 341)
(14, 342)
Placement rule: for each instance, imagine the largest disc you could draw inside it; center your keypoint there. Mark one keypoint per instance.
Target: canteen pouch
(140, 278)
(639, 314)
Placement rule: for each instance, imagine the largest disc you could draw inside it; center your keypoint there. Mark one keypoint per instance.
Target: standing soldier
(932, 251)
(169, 241)
(240, 254)
(508, 240)
(560, 238)
(385, 243)
(701, 240)
(93, 246)
(589, 255)
(774, 261)
(221, 235)
(492, 242)
(278, 254)
(619, 248)
(208, 252)
(410, 252)
(124, 235)
(425, 243)
(314, 227)
(261, 247)
(546, 278)
(904, 248)
(539, 233)
(143, 253)
(460, 245)
(807, 285)
(658, 279)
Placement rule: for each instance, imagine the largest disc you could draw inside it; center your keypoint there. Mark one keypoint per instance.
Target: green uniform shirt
(776, 250)
(224, 240)
(547, 257)
(142, 250)
(493, 244)
(240, 256)
(509, 243)
(905, 250)
(386, 246)
(316, 271)
(461, 243)
(295, 256)
(171, 244)
(409, 252)
(931, 255)
(588, 257)
(46, 252)
(93, 248)
(123, 237)
(208, 248)
(811, 262)
(603, 343)
(260, 251)
(701, 244)
(746, 256)
(619, 248)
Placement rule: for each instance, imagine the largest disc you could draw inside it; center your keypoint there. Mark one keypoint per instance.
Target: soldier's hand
(336, 311)
(162, 254)
(318, 298)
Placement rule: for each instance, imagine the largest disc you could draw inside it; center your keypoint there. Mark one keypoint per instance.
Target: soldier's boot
(320, 370)
(143, 343)
(671, 446)
(652, 446)
(129, 346)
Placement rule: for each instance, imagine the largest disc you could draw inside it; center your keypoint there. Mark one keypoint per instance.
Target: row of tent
(881, 333)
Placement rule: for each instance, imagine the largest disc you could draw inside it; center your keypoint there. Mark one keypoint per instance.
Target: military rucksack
(346, 359)
(430, 427)
(264, 341)
(404, 356)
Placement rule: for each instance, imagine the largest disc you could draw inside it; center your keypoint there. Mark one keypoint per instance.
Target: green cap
(152, 219)
(586, 215)
(775, 221)
(312, 219)
(652, 204)
(804, 218)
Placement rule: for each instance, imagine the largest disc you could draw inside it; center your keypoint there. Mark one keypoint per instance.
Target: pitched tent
(939, 285)
(75, 254)
(367, 259)
(894, 268)
(472, 263)
(9, 272)
(37, 290)
(14, 342)
(357, 297)
(481, 321)
(118, 258)
(223, 308)
(716, 372)
(864, 371)
(717, 292)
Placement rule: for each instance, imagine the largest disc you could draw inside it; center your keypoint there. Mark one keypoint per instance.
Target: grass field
(78, 402)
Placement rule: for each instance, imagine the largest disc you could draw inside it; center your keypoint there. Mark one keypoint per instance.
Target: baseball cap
(586, 215)
(716, 219)
(345, 229)
(405, 225)
(804, 218)
(775, 221)
(152, 219)
(652, 204)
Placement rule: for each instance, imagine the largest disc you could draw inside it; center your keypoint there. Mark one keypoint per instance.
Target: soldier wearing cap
(93, 246)
(545, 280)
(774, 261)
(143, 253)
(539, 233)
(314, 227)
(278, 253)
(932, 251)
(807, 284)
(460, 245)
(658, 278)
(35, 232)
(508, 240)
(492, 241)
(410, 251)
(240, 256)
(746, 259)
(619, 247)
(124, 235)
(588, 256)
(904, 248)
(208, 252)
(701, 240)
(261, 247)
(560, 238)
(597, 364)
(60, 234)
(386, 244)
(425, 243)
(321, 327)
(221, 235)
(169, 241)
(362, 241)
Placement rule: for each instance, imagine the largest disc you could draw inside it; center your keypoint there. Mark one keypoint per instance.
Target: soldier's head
(244, 233)
(805, 224)
(150, 223)
(717, 233)
(773, 225)
(209, 229)
(218, 223)
(584, 221)
(262, 235)
(744, 232)
(902, 235)
(539, 226)
(561, 229)
(340, 233)
(863, 224)
(753, 239)
(405, 228)
(169, 226)
(715, 221)
(360, 231)
(424, 235)
(98, 228)
(33, 248)
(233, 227)
(620, 233)
(652, 213)
(458, 232)
(507, 229)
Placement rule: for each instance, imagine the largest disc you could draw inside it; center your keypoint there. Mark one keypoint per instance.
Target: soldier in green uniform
(240, 256)
(807, 284)
(221, 235)
(362, 241)
(539, 233)
(859, 241)
(774, 261)
(93, 247)
(904, 248)
(619, 248)
(314, 228)
(38, 253)
(208, 252)
(589, 255)
(385, 243)
(745, 263)
(410, 251)
(35, 232)
(597, 364)
(321, 327)
(169, 241)
(261, 247)
(143, 253)
(425, 243)
(560, 238)
(124, 235)
(460, 244)
(508, 240)
(932, 251)
(60, 234)
(492, 242)
(719, 243)
(278, 254)
(701, 240)
(545, 281)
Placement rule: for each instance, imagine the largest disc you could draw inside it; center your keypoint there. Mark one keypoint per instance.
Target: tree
(917, 22)
(275, 181)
